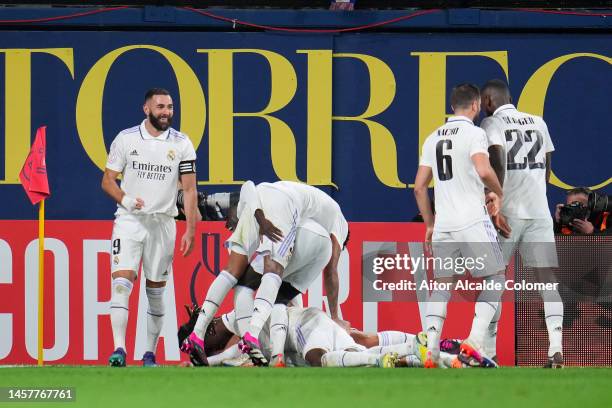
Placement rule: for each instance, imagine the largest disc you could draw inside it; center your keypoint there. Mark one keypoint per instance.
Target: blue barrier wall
(346, 112)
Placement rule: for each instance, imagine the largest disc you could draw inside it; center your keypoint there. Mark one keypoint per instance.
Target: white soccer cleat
(242, 360)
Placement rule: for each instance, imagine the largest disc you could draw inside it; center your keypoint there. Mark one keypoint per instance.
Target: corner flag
(33, 174)
(33, 177)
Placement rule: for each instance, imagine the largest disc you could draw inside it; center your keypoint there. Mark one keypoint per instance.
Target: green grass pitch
(177, 387)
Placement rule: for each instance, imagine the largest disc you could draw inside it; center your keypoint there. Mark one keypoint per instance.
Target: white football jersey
(459, 192)
(309, 201)
(150, 167)
(525, 140)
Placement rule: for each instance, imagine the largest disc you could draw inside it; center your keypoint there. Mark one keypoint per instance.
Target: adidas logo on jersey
(134, 153)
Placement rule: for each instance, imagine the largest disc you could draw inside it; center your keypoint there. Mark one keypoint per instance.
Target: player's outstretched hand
(192, 311)
(493, 203)
(187, 243)
(501, 224)
(269, 230)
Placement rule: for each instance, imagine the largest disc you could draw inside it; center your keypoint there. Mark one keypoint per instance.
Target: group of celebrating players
(285, 234)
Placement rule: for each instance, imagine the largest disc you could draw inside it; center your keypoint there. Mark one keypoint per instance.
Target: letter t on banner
(33, 177)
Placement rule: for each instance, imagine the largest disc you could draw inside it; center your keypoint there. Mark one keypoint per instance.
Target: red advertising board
(77, 284)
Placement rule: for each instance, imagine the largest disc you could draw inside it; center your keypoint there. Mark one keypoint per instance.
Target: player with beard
(151, 157)
(455, 156)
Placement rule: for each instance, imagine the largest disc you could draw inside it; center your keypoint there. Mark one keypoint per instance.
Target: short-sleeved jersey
(525, 141)
(459, 192)
(310, 202)
(151, 167)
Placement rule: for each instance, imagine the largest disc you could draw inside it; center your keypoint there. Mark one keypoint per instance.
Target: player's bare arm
(266, 227)
(330, 280)
(421, 185)
(110, 187)
(489, 178)
(496, 158)
(188, 182)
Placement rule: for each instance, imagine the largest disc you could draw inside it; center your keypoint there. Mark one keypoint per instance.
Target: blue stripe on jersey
(300, 336)
(384, 339)
(175, 133)
(494, 242)
(288, 241)
(290, 237)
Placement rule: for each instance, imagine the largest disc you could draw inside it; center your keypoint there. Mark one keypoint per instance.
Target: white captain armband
(187, 167)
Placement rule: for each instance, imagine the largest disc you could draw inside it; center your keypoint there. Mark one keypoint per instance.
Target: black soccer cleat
(556, 361)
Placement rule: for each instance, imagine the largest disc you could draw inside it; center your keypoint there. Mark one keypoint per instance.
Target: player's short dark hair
(463, 95)
(579, 190)
(155, 91)
(499, 91)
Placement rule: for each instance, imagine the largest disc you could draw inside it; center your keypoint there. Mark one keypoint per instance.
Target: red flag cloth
(33, 174)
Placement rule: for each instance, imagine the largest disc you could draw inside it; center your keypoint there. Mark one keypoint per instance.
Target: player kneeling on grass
(311, 338)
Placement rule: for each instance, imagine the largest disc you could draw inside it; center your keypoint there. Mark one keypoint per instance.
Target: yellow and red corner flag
(33, 177)
(33, 174)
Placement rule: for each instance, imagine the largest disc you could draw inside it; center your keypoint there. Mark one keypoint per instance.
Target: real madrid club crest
(116, 260)
(171, 155)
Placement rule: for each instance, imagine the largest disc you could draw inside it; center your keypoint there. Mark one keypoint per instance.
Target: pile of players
(293, 232)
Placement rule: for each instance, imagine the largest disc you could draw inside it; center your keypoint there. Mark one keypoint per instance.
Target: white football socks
(402, 349)
(264, 301)
(217, 292)
(279, 320)
(490, 341)
(155, 316)
(120, 298)
(390, 337)
(349, 359)
(243, 307)
(553, 313)
(485, 309)
(436, 314)
(227, 354)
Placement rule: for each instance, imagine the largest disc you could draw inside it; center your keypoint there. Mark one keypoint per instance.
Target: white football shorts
(535, 240)
(474, 249)
(311, 253)
(149, 238)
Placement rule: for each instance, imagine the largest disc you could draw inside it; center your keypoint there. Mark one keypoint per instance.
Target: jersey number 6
(444, 161)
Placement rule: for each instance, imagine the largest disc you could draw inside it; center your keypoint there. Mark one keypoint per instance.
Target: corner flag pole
(33, 177)
(41, 278)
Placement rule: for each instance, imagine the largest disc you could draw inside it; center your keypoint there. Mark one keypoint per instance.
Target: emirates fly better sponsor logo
(151, 171)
